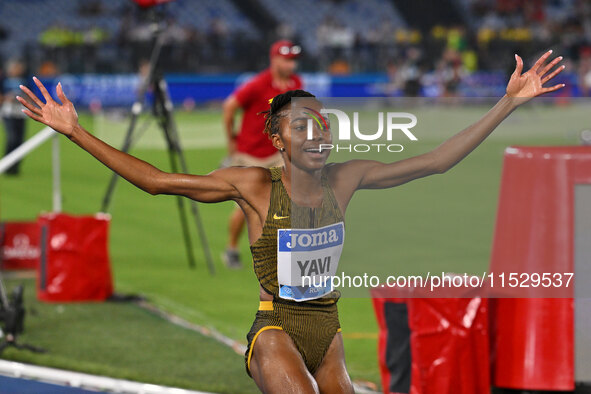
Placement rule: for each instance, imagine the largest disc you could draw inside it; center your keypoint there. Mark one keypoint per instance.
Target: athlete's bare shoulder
(243, 175)
(347, 174)
(256, 177)
(251, 183)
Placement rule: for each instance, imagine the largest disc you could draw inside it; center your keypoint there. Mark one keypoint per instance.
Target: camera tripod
(163, 112)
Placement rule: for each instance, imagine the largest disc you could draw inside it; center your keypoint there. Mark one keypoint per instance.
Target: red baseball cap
(285, 48)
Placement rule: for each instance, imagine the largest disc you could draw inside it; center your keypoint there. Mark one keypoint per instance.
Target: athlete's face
(306, 153)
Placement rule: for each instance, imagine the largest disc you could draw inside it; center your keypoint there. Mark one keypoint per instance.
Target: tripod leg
(171, 135)
(183, 214)
(161, 112)
(31, 348)
(135, 112)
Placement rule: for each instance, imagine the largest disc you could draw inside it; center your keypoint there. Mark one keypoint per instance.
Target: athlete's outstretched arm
(217, 186)
(520, 89)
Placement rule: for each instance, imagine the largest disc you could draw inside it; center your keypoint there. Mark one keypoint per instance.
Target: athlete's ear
(277, 143)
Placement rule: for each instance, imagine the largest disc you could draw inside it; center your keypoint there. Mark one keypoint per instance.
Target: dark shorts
(312, 328)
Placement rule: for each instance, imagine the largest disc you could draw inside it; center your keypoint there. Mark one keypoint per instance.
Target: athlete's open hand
(60, 117)
(530, 84)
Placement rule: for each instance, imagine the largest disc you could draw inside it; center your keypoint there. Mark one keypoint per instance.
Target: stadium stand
(338, 36)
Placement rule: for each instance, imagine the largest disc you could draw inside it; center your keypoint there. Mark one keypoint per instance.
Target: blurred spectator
(286, 31)
(411, 73)
(449, 73)
(335, 41)
(393, 87)
(339, 67)
(90, 8)
(14, 119)
(218, 37)
(48, 69)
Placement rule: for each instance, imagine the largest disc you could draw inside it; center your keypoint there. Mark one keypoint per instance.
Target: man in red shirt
(251, 146)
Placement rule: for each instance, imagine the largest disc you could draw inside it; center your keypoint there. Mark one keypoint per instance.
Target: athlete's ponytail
(277, 103)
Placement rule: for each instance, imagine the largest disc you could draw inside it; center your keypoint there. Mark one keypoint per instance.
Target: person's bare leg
(277, 367)
(235, 226)
(332, 376)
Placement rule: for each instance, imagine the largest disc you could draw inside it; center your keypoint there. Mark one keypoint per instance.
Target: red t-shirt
(253, 97)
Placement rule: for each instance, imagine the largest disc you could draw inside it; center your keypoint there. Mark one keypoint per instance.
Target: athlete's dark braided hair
(278, 102)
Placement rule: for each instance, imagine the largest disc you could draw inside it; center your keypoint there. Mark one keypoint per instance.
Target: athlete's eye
(300, 126)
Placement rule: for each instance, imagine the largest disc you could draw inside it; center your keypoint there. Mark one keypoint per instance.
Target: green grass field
(445, 221)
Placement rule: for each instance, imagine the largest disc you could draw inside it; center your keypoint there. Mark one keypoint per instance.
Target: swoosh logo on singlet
(279, 217)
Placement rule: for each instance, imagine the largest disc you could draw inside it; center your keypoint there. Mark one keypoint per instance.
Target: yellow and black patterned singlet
(311, 324)
(283, 213)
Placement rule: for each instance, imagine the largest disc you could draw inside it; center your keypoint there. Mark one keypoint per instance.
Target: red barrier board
(449, 344)
(20, 245)
(74, 262)
(534, 337)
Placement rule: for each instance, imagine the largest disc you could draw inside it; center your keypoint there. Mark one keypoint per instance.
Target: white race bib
(307, 259)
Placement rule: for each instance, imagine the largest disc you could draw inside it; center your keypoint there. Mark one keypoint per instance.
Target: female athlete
(295, 343)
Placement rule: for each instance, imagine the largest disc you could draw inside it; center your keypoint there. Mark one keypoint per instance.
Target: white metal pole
(20, 152)
(57, 182)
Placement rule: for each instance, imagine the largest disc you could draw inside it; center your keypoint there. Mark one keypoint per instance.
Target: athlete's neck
(308, 185)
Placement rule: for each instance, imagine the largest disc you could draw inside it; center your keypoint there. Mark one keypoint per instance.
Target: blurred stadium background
(360, 47)
(98, 49)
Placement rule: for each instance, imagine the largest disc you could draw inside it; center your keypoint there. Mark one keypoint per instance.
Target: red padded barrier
(20, 245)
(449, 342)
(533, 337)
(450, 345)
(74, 263)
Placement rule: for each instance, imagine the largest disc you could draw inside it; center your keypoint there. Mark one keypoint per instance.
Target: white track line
(208, 332)
(85, 381)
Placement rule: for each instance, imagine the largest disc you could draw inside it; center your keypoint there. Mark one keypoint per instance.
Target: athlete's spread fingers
(550, 66)
(60, 94)
(541, 60)
(553, 88)
(28, 105)
(44, 91)
(32, 96)
(553, 74)
(32, 115)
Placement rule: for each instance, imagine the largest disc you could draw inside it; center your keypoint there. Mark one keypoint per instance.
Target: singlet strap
(275, 173)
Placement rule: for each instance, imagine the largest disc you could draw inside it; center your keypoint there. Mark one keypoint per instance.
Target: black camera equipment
(12, 315)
